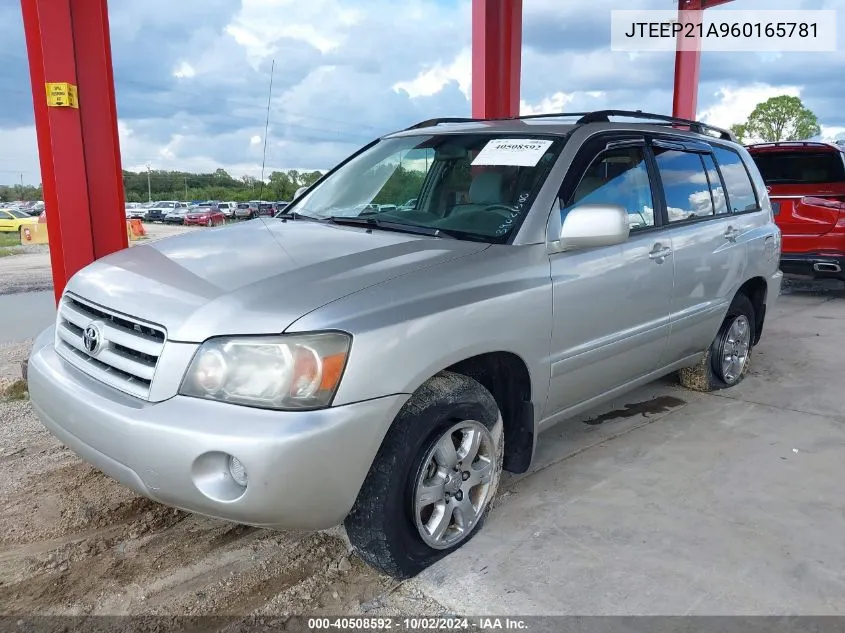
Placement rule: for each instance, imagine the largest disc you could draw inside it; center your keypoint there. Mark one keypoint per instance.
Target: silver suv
(382, 365)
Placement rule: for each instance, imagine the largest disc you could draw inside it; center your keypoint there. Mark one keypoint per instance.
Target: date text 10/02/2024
(417, 624)
(781, 30)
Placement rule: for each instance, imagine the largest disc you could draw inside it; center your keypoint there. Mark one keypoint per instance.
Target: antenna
(266, 128)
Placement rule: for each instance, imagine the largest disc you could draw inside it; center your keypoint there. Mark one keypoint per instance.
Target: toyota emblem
(91, 339)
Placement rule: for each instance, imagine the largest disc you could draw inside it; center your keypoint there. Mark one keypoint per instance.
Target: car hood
(255, 277)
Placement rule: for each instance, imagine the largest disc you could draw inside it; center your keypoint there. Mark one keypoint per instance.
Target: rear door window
(685, 185)
(740, 190)
(800, 168)
(716, 189)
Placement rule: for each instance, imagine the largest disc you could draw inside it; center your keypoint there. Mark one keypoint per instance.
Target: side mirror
(591, 225)
(299, 192)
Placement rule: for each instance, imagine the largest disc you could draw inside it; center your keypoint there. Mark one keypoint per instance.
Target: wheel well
(506, 377)
(756, 289)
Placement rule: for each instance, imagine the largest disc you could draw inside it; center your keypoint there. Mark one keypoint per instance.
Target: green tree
(783, 118)
(740, 131)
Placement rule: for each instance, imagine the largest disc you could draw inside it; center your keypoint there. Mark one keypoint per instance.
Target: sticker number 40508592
(518, 152)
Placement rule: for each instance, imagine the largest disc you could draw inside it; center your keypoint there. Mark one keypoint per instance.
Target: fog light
(238, 471)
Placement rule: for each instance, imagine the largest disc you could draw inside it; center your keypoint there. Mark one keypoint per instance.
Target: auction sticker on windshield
(517, 152)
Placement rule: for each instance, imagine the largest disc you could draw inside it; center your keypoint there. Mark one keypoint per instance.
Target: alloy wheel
(455, 484)
(734, 349)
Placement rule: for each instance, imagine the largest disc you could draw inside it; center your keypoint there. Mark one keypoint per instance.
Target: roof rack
(603, 116)
(794, 144)
(597, 116)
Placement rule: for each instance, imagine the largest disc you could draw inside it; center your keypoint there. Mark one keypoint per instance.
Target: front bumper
(820, 265)
(305, 468)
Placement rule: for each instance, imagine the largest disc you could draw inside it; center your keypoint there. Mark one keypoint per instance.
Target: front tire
(432, 482)
(727, 360)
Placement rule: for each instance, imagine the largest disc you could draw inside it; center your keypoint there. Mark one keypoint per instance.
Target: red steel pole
(68, 43)
(688, 61)
(496, 58)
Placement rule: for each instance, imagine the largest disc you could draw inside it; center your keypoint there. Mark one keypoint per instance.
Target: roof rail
(603, 116)
(438, 121)
(597, 116)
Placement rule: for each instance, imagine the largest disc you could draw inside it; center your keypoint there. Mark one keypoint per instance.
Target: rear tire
(422, 499)
(727, 360)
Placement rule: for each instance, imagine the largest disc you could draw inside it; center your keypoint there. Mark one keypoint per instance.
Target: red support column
(68, 41)
(496, 58)
(688, 59)
(687, 63)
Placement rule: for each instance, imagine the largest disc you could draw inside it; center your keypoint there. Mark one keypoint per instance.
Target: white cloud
(554, 103)
(434, 78)
(255, 140)
(735, 105)
(184, 71)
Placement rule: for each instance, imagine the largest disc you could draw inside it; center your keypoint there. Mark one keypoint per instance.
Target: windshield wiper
(293, 215)
(390, 226)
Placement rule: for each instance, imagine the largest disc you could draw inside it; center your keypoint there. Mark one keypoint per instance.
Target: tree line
(220, 185)
(182, 185)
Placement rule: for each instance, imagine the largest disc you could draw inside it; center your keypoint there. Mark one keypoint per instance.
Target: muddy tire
(727, 359)
(433, 480)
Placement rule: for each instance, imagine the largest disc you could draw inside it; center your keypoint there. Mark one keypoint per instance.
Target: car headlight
(291, 371)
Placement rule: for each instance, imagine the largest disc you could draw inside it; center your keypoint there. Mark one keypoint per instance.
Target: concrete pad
(24, 315)
(801, 357)
(726, 503)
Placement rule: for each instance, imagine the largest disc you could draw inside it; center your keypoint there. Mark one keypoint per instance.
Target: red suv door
(806, 184)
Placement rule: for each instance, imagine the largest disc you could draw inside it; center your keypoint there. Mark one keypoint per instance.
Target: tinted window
(618, 177)
(716, 188)
(685, 185)
(741, 196)
(5, 215)
(800, 167)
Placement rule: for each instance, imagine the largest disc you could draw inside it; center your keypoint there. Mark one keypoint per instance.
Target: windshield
(477, 186)
(811, 168)
(18, 214)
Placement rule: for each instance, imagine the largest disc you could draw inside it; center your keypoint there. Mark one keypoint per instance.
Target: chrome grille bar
(116, 349)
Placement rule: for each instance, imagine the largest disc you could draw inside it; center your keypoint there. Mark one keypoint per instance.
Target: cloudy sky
(192, 76)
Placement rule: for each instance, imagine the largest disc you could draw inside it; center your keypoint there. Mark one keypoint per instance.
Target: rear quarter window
(740, 190)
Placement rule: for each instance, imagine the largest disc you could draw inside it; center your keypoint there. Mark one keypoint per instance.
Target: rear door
(708, 242)
(806, 183)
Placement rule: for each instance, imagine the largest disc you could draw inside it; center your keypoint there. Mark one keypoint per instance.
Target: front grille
(126, 351)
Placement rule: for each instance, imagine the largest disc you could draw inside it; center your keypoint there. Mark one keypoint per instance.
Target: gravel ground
(28, 270)
(74, 542)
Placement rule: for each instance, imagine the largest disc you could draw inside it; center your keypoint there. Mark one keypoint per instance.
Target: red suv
(806, 184)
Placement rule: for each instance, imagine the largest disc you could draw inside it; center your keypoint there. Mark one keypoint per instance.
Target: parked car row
(31, 208)
(209, 213)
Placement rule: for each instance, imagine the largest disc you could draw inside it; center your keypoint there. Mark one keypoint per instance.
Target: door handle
(659, 253)
(731, 234)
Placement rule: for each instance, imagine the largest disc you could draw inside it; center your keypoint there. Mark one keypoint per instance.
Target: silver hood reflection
(256, 277)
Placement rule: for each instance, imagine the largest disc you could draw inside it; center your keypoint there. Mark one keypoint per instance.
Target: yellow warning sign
(62, 95)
